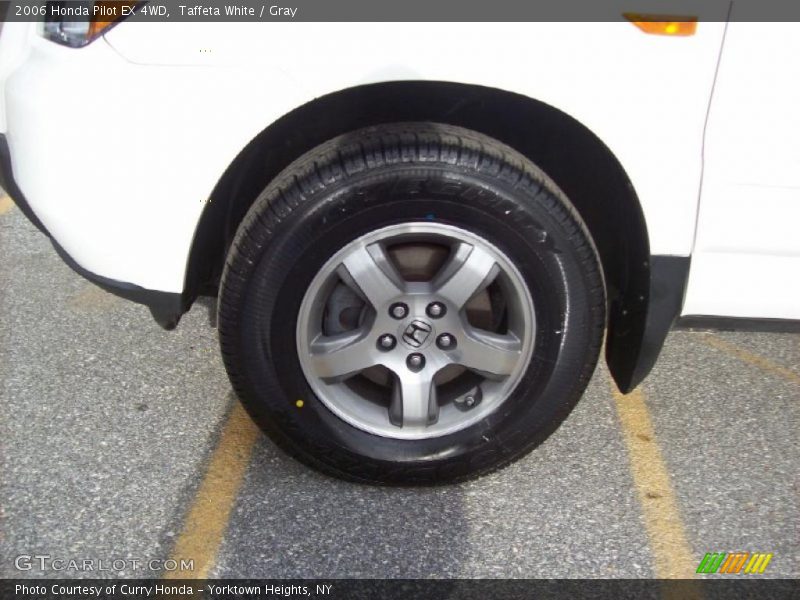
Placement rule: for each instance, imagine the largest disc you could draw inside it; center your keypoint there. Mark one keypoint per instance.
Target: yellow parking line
(6, 204)
(671, 551)
(750, 358)
(208, 516)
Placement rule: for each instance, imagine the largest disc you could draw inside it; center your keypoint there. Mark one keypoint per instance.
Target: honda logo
(417, 333)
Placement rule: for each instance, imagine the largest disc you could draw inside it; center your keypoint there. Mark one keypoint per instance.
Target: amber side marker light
(107, 14)
(671, 25)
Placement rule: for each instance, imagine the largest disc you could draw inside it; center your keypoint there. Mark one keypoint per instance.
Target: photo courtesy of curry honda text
(420, 250)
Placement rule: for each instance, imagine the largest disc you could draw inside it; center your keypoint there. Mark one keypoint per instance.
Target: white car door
(746, 258)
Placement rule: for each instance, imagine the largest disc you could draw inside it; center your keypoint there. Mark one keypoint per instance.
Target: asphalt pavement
(112, 429)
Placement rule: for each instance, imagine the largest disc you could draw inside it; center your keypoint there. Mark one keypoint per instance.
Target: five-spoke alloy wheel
(417, 348)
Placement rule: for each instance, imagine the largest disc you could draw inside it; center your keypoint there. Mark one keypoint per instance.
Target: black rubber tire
(369, 179)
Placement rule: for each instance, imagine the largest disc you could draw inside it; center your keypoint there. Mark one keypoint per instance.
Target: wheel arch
(579, 162)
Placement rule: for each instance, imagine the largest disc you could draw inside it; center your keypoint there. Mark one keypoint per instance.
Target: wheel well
(582, 166)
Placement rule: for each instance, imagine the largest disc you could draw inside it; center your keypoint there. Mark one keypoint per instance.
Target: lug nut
(415, 361)
(398, 310)
(446, 341)
(386, 342)
(435, 310)
(469, 401)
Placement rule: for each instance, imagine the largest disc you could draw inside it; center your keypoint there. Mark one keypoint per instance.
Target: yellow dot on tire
(299, 404)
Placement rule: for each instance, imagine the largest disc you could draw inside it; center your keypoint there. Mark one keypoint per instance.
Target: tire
(411, 192)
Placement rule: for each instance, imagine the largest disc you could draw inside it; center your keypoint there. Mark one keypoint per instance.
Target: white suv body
(131, 150)
(105, 138)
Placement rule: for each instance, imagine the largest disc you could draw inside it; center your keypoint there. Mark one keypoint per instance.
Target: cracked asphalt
(109, 425)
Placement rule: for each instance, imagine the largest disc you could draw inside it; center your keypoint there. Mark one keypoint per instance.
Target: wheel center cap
(417, 334)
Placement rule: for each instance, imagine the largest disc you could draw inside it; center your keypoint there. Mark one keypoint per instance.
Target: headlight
(75, 24)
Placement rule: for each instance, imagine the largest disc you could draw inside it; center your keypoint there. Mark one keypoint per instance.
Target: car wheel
(411, 303)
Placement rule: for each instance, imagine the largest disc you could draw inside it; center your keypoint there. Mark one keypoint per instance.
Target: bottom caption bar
(389, 589)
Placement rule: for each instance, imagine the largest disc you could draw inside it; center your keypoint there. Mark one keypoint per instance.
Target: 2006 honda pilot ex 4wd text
(418, 235)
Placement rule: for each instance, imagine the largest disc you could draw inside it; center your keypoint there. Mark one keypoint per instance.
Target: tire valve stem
(469, 400)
